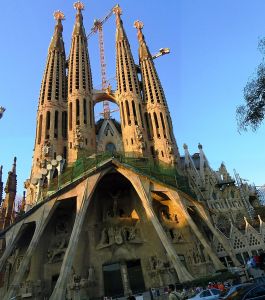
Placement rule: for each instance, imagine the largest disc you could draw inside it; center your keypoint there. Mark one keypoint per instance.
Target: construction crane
(2, 110)
(162, 51)
(98, 27)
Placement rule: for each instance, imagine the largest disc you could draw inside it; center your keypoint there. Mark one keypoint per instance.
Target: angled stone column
(47, 211)
(11, 237)
(83, 201)
(218, 235)
(144, 194)
(174, 196)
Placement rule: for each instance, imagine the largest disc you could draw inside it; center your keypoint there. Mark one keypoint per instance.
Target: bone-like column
(174, 196)
(40, 226)
(143, 193)
(83, 201)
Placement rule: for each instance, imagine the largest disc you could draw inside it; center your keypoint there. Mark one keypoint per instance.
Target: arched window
(110, 147)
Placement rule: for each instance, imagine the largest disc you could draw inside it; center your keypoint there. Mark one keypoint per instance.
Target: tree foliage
(252, 113)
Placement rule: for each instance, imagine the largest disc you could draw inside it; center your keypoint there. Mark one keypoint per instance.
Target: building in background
(112, 208)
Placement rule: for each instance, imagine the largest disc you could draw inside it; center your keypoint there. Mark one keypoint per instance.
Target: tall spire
(51, 133)
(129, 94)
(81, 131)
(7, 208)
(165, 147)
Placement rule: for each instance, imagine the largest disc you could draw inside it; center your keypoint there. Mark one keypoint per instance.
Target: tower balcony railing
(89, 162)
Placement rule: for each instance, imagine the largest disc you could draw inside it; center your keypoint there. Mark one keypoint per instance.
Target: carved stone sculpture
(56, 254)
(78, 138)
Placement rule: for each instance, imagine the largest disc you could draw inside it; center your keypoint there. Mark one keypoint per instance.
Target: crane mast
(98, 27)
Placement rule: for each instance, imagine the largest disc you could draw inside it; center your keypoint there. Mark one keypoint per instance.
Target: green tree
(252, 113)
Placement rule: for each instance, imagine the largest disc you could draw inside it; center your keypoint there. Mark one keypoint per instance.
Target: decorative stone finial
(138, 24)
(185, 146)
(79, 5)
(58, 15)
(117, 10)
(200, 146)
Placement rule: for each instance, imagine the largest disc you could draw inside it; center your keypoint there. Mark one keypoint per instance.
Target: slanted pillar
(47, 210)
(83, 202)
(143, 193)
(218, 235)
(174, 196)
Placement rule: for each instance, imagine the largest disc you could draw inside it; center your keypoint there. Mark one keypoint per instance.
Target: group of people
(175, 293)
(257, 261)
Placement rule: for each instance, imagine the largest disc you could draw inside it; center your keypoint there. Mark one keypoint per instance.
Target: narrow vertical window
(147, 125)
(40, 129)
(48, 124)
(64, 124)
(122, 113)
(64, 152)
(85, 111)
(134, 113)
(77, 110)
(141, 115)
(56, 124)
(163, 124)
(151, 125)
(70, 116)
(127, 112)
(156, 125)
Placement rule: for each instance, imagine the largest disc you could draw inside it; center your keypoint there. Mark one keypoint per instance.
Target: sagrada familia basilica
(111, 207)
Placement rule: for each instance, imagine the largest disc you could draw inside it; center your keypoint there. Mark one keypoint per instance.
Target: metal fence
(157, 171)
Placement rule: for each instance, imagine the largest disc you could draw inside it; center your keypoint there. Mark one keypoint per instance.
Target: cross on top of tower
(58, 15)
(79, 5)
(117, 10)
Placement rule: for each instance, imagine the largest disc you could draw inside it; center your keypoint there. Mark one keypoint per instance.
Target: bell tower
(81, 125)
(164, 146)
(51, 133)
(129, 94)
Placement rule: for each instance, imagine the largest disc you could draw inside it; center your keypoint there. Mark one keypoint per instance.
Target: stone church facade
(112, 208)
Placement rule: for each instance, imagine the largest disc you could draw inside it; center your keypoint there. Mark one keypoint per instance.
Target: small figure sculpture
(46, 149)
(91, 276)
(78, 138)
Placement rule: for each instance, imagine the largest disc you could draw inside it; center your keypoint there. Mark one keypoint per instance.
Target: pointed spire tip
(117, 10)
(58, 15)
(79, 5)
(138, 24)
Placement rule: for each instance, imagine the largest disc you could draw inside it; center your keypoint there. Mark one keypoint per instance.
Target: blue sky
(213, 54)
